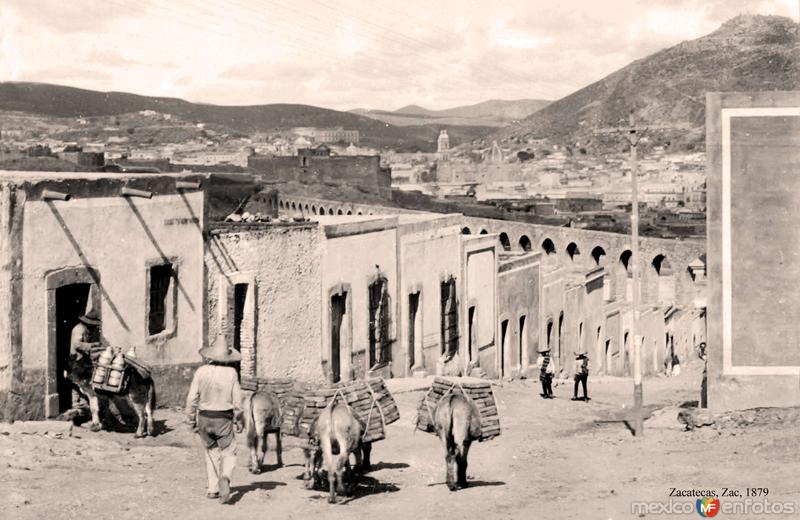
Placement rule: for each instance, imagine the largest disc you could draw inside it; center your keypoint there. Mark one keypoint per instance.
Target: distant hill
(495, 112)
(62, 101)
(746, 53)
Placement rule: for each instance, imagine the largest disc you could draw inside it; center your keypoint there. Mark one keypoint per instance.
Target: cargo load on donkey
(370, 400)
(478, 391)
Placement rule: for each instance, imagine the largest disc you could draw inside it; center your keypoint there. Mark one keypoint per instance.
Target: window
(379, 316)
(449, 317)
(162, 298)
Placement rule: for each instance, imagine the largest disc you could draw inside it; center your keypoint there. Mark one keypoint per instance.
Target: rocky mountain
(68, 102)
(746, 53)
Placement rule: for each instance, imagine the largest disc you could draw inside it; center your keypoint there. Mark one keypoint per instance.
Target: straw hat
(220, 352)
(581, 355)
(91, 318)
(543, 350)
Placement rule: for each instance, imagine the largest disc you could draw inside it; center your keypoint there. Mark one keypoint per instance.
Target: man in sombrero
(214, 410)
(83, 341)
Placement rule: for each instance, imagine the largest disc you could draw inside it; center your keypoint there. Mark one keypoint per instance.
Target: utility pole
(634, 135)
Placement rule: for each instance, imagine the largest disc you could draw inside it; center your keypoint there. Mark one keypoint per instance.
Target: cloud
(347, 53)
(68, 16)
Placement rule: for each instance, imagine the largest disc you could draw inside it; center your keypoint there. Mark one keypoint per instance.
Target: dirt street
(551, 461)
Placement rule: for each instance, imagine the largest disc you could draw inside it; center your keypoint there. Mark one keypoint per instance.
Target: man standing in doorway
(84, 339)
(214, 410)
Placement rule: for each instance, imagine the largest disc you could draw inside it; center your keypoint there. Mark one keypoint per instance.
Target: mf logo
(707, 507)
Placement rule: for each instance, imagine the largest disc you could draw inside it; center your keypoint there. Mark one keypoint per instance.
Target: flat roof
(36, 176)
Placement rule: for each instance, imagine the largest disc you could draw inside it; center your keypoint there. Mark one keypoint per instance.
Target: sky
(345, 54)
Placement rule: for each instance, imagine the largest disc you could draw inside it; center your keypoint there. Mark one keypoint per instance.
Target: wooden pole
(638, 397)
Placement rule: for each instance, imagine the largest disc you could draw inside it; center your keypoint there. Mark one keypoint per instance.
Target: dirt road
(553, 460)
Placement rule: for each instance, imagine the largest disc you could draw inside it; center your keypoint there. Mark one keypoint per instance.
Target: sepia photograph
(359, 259)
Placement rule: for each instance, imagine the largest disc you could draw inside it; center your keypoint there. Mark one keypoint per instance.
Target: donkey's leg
(139, 409)
(278, 448)
(148, 409)
(462, 464)
(262, 448)
(94, 407)
(366, 466)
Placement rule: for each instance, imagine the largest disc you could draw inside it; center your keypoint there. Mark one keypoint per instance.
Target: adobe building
(519, 282)
(318, 166)
(129, 247)
(753, 172)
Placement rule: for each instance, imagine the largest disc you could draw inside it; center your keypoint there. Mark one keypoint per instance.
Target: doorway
(338, 311)
(239, 302)
(523, 341)
(71, 303)
(503, 346)
(414, 332)
(471, 331)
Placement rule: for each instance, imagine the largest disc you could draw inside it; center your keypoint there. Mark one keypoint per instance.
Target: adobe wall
(518, 289)
(362, 171)
(428, 256)
(753, 169)
(679, 253)
(12, 397)
(353, 254)
(479, 286)
(281, 264)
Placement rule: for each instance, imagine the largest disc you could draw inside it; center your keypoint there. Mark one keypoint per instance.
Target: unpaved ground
(551, 461)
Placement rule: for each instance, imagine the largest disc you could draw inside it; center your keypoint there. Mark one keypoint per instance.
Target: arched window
(339, 212)
(330, 211)
(597, 253)
(466, 231)
(625, 259)
(484, 232)
(505, 242)
(321, 210)
(525, 243)
(349, 212)
(572, 250)
(360, 213)
(661, 265)
(548, 247)
(313, 209)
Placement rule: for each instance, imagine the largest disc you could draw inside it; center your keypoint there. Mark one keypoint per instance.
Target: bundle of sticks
(477, 390)
(289, 393)
(370, 401)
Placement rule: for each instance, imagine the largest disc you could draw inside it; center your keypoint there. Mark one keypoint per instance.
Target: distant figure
(581, 376)
(546, 371)
(676, 365)
(214, 410)
(701, 353)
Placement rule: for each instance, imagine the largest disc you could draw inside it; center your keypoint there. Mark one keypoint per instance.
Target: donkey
(140, 394)
(457, 423)
(262, 417)
(338, 434)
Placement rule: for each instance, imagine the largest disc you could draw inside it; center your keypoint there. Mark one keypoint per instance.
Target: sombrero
(90, 318)
(220, 352)
(543, 350)
(581, 355)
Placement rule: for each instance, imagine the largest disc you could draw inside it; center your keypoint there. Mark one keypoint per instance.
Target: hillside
(495, 112)
(61, 101)
(668, 88)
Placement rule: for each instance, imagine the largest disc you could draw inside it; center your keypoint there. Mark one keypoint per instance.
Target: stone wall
(281, 265)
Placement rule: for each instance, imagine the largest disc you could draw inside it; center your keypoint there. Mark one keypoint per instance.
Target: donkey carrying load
(139, 393)
(262, 417)
(459, 411)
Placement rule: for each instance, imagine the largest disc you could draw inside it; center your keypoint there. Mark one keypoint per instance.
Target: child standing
(581, 376)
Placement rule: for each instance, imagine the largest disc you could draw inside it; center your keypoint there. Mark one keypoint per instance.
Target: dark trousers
(582, 379)
(547, 384)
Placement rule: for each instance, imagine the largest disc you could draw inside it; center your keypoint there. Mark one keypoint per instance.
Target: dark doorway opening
(413, 310)
(471, 332)
(71, 303)
(239, 301)
(503, 346)
(338, 310)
